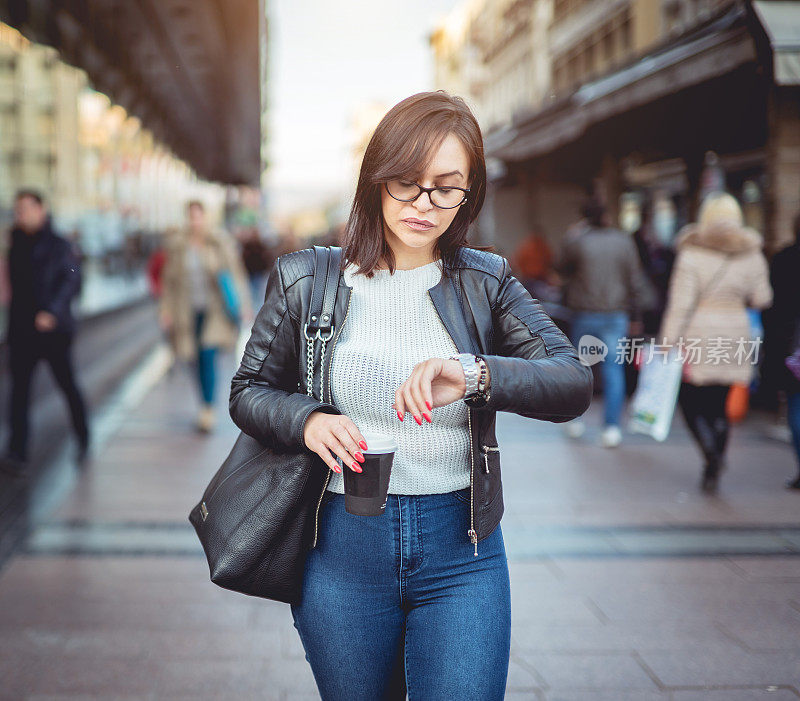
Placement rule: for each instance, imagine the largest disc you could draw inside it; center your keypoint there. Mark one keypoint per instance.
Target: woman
(192, 309)
(418, 598)
(719, 272)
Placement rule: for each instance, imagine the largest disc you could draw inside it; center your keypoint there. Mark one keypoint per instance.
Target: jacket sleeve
(760, 294)
(536, 371)
(68, 283)
(264, 402)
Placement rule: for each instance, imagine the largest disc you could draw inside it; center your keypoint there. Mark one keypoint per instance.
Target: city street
(627, 583)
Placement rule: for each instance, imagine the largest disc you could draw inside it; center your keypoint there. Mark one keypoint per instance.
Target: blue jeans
(793, 415)
(609, 327)
(206, 361)
(400, 602)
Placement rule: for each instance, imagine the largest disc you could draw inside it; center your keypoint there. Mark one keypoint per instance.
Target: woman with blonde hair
(719, 271)
(194, 312)
(431, 338)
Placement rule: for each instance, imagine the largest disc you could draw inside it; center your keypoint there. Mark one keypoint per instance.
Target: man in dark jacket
(607, 291)
(45, 276)
(783, 334)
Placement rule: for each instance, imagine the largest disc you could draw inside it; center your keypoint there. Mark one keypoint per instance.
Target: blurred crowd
(710, 292)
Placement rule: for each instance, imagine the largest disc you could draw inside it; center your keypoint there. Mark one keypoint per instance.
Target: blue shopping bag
(230, 297)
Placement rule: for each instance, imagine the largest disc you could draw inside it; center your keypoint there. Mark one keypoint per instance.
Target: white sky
(328, 58)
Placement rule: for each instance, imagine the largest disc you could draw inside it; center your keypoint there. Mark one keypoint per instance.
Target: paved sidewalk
(627, 583)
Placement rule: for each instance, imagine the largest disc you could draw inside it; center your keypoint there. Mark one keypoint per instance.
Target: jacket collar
(445, 300)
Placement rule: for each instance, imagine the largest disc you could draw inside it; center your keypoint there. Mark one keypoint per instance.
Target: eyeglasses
(441, 197)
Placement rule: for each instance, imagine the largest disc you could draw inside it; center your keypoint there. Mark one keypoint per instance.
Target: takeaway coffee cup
(365, 492)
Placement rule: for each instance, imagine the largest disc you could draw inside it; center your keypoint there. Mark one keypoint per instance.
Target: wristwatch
(471, 371)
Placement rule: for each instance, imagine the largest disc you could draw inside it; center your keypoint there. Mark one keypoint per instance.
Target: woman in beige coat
(192, 310)
(719, 272)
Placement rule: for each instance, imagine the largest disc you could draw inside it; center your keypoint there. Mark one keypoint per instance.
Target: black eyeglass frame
(429, 190)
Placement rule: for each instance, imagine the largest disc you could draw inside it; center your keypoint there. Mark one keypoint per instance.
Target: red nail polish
(337, 469)
(359, 457)
(428, 404)
(363, 445)
(427, 417)
(355, 467)
(399, 416)
(417, 419)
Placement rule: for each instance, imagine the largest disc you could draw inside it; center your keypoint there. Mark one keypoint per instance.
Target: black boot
(710, 478)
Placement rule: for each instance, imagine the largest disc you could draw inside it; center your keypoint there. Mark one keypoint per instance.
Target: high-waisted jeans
(400, 602)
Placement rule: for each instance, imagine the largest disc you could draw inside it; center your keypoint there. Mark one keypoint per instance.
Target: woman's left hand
(433, 382)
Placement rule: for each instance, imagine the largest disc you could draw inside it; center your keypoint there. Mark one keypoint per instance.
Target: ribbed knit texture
(390, 327)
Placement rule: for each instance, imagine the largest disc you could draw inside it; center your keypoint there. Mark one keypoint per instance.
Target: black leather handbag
(256, 518)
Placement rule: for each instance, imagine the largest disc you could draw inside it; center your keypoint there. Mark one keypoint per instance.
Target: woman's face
(412, 228)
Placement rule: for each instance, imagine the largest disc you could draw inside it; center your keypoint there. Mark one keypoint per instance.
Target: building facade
(644, 103)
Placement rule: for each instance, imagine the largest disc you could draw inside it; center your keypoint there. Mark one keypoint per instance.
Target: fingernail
(362, 445)
(427, 416)
(338, 469)
(359, 457)
(417, 419)
(399, 416)
(428, 404)
(355, 467)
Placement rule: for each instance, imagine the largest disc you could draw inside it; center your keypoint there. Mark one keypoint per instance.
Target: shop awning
(712, 50)
(781, 22)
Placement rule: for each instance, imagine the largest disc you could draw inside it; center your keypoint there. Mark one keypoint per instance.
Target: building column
(783, 167)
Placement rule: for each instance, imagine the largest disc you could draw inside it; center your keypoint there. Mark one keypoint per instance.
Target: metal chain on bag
(310, 361)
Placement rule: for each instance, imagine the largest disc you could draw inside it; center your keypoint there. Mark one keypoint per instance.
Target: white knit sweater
(392, 325)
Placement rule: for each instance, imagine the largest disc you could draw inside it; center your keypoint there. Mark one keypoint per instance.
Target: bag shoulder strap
(708, 287)
(319, 324)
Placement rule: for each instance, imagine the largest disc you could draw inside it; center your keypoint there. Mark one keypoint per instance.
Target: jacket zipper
(322, 392)
(486, 450)
(473, 536)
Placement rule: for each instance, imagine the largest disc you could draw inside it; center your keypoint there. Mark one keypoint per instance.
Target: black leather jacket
(534, 369)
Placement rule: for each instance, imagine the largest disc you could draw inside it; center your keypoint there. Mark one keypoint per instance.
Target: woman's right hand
(334, 434)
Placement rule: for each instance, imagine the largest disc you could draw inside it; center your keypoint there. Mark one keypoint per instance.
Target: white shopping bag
(653, 403)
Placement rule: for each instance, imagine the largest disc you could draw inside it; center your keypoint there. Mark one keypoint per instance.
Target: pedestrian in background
(258, 258)
(719, 271)
(194, 307)
(607, 291)
(784, 332)
(44, 275)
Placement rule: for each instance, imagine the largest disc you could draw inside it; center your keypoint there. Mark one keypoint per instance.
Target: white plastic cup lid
(379, 443)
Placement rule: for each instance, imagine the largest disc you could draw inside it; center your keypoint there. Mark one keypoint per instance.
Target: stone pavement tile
(89, 697)
(724, 667)
(531, 606)
(534, 638)
(106, 615)
(227, 678)
(535, 572)
(616, 695)
(86, 674)
(590, 672)
(521, 678)
(766, 567)
(783, 634)
(178, 644)
(754, 694)
(46, 642)
(614, 572)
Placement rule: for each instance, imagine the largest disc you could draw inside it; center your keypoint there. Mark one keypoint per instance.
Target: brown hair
(404, 142)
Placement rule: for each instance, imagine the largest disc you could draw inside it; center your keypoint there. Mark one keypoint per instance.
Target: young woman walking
(192, 309)
(719, 272)
(431, 338)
